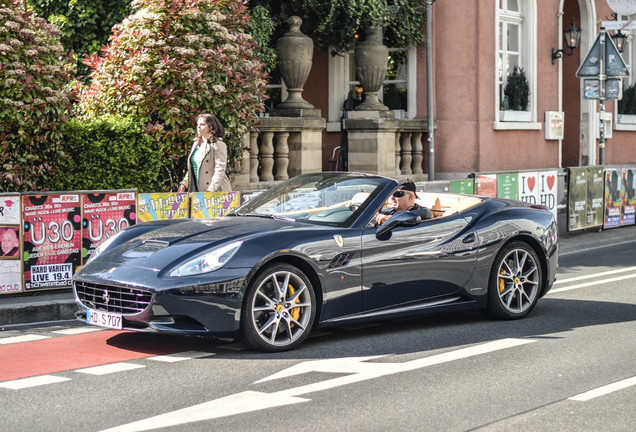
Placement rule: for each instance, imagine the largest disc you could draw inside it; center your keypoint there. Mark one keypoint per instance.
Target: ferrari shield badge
(338, 239)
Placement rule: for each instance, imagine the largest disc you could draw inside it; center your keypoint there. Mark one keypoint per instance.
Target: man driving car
(403, 199)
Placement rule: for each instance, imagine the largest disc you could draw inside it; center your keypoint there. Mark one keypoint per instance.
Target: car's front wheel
(279, 309)
(515, 282)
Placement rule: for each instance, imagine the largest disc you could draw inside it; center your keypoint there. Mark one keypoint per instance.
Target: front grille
(112, 298)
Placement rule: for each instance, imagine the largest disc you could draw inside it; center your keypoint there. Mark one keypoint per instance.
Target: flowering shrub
(172, 60)
(33, 103)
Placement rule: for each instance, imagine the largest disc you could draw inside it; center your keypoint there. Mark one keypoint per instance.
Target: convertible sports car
(307, 254)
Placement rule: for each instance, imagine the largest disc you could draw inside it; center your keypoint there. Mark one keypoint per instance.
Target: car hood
(172, 244)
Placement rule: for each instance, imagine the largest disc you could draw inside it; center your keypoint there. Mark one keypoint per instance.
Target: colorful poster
(207, 205)
(10, 209)
(486, 185)
(51, 240)
(162, 206)
(613, 199)
(595, 195)
(577, 199)
(628, 195)
(10, 277)
(508, 186)
(463, 186)
(104, 215)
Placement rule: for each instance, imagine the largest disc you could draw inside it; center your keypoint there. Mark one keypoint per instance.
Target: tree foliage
(85, 24)
(34, 100)
(335, 23)
(172, 60)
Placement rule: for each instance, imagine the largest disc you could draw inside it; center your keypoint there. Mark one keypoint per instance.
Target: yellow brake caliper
(295, 312)
(502, 282)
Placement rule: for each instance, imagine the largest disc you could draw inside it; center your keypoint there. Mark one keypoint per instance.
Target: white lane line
(78, 330)
(24, 338)
(32, 382)
(594, 275)
(357, 370)
(110, 368)
(587, 284)
(186, 355)
(601, 391)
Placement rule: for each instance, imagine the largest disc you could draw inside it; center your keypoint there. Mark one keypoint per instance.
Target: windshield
(323, 198)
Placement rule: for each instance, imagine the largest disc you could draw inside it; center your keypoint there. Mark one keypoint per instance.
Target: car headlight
(103, 246)
(209, 261)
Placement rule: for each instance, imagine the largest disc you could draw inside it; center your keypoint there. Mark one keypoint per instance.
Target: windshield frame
(305, 186)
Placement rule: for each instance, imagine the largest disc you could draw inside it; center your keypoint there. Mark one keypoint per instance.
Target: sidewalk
(59, 305)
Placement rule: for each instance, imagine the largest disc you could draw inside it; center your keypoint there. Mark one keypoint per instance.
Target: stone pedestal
(372, 141)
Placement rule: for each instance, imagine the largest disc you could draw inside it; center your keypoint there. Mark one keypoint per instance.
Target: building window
(397, 92)
(515, 48)
(626, 107)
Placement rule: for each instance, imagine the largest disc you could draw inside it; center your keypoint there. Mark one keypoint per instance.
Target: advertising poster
(539, 188)
(577, 199)
(613, 199)
(486, 185)
(207, 205)
(595, 194)
(10, 276)
(162, 206)
(52, 241)
(528, 187)
(628, 195)
(463, 186)
(10, 209)
(508, 186)
(547, 190)
(104, 215)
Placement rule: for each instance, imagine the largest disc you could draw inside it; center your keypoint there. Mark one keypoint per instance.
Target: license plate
(103, 319)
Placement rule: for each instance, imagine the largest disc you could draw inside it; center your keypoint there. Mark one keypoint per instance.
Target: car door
(416, 264)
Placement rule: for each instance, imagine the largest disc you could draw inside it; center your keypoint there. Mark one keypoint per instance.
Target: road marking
(110, 368)
(358, 370)
(186, 355)
(593, 275)
(78, 330)
(24, 338)
(32, 382)
(587, 284)
(601, 391)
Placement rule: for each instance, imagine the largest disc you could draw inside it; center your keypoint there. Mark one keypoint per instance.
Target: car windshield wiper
(265, 215)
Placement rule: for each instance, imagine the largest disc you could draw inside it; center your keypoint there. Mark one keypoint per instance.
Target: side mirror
(401, 218)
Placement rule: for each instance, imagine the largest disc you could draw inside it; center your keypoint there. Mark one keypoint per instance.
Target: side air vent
(341, 259)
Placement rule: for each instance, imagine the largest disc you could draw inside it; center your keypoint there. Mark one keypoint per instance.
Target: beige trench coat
(212, 177)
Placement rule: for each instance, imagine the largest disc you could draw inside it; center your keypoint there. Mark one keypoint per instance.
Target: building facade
(476, 45)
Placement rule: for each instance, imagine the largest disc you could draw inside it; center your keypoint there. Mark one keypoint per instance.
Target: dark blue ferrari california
(307, 253)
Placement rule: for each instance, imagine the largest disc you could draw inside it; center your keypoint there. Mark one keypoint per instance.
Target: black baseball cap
(408, 185)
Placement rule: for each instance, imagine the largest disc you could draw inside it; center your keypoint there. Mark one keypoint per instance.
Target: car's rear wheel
(515, 282)
(279, 309)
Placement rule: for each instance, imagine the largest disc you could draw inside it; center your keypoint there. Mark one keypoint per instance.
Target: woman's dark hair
(214, 124)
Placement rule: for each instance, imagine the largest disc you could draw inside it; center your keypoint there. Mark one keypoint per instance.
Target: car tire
(515, 282)
(279, 309)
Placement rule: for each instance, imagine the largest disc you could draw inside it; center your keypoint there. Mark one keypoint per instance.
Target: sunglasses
(399, 193)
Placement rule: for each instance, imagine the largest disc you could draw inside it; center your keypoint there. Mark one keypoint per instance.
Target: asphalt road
(569, 366)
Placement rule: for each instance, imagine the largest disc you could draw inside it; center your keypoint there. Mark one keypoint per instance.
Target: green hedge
(107, 152)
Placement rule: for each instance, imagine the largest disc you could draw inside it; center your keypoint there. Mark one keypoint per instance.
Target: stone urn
(295, 52)
(372, 58)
